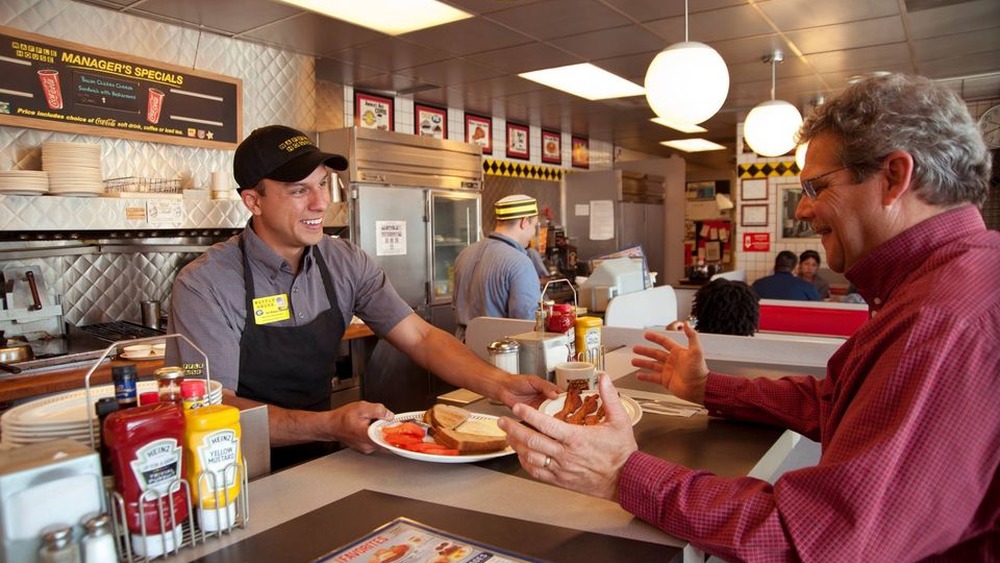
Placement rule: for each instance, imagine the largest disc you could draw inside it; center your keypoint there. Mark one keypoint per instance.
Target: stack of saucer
(23, 182)
(74, 168)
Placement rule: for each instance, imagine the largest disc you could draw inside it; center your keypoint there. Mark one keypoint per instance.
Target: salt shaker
(58, 547)
(99, 543)
(504, 354)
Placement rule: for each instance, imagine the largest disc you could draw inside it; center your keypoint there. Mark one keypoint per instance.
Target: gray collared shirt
(495, 278)
(208, 300)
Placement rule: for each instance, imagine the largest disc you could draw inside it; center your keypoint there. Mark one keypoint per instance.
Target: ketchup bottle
(147, 460)
(563, 321)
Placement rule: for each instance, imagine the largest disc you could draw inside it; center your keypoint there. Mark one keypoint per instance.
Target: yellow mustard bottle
(588, 339)
(214, 462)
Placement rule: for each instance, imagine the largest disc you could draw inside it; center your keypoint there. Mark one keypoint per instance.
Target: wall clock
(989, 124)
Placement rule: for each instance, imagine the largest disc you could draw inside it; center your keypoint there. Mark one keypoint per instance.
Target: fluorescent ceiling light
(585, 80)
(682, 127)
(693, 145)
(393, 17)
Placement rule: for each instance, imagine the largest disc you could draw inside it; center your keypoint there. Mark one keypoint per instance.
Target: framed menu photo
(551, 147)
(373, 112)
(479, 131)
(790, 226)
(753, 215)
(754, 189)
(517, 141)
(430, 121)
(581, 152)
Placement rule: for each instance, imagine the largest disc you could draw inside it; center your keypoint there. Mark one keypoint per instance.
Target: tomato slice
(409, 428)
(430, 448)
(402, 440)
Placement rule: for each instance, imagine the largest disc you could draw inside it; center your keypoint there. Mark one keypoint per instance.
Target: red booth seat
(803, 317)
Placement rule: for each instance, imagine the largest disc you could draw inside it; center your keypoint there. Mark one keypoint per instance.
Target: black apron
(291, 366)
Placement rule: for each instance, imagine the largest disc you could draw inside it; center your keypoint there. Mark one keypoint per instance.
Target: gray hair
(913, 114)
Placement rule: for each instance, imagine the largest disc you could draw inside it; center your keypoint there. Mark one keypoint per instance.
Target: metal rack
(190, 533)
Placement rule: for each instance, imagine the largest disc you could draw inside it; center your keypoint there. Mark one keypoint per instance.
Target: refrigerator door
(454, 226)
(389, 224)
(587, 193)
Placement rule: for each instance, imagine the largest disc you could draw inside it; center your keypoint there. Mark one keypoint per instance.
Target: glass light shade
(687, 82)
(800, 155)
(770, 128)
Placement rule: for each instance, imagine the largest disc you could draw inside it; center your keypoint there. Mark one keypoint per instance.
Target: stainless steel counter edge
(288, 494)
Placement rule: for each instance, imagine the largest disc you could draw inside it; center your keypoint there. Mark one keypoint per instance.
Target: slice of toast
(446, 416)
(469, 443)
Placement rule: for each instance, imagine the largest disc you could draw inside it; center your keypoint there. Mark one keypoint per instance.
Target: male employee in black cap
(269, 306)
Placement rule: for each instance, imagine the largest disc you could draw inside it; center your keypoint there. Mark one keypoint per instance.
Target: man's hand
(349, 424)
(587, 459)
(529, 389)
(682, 371)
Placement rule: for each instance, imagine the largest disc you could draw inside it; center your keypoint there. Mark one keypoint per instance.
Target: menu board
(47, 83)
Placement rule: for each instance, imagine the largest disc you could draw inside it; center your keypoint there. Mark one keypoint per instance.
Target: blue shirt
(495, 278)
(783, 285)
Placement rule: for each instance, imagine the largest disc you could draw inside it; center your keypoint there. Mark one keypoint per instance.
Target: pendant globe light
(771, 126)
(687, 82)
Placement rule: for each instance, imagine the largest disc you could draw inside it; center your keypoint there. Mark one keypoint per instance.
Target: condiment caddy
(180, 475)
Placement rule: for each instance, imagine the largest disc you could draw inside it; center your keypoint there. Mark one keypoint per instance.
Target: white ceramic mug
(570, 371)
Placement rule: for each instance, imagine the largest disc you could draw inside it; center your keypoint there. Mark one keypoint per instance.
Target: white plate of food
(552, 407)
(477, 424)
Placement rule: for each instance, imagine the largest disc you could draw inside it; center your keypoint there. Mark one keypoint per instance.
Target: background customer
(783, 284)
(809, 271)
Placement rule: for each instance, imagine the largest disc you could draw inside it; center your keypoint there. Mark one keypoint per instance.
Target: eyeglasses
(809, 185)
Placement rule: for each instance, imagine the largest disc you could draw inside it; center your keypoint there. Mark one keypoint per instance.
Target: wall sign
(51, 84)
(430, 121)
(372, 112)
(756, 242)
(479, 131)
(580, 152)
(551, 147)
(517, 141)
(753, 215)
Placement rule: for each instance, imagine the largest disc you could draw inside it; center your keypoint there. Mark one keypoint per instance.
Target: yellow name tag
(271, 309)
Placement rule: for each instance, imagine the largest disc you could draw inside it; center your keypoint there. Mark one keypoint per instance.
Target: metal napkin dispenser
(541, 351)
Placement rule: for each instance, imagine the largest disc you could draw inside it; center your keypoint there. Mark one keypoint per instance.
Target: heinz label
(217, 454)
(157, 465)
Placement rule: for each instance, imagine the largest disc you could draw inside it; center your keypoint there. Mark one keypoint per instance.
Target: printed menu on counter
(408, 540)
(47, 83)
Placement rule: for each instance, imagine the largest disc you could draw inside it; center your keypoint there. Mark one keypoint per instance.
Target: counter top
(15, 387)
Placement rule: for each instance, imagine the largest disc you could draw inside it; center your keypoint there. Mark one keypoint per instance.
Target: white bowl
(159, 348)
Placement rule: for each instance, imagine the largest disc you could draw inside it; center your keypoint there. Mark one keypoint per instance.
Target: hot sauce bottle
(146, 457)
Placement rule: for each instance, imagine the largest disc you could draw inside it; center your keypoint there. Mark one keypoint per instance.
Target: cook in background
(906, 417)
(269, 306)
(495, 277)
(808, 270)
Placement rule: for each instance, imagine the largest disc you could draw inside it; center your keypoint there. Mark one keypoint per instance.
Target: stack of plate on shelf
(74, 168)
(66, 415)
(23, 182)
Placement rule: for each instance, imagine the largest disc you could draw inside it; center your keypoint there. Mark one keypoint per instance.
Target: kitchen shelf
(61, 213)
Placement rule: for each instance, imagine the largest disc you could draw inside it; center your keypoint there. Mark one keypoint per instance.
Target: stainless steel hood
(388, 157)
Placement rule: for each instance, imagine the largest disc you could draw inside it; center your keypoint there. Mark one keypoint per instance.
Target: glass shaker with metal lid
(505, 355)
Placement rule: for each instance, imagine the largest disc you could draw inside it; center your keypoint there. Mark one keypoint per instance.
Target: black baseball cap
(279, 153)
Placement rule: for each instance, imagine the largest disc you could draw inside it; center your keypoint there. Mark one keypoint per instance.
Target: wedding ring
(548, 460)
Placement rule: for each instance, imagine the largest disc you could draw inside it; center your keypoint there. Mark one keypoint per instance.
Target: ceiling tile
(750, 49)
(488, 6)
(893, 58)
(390, 54)
(612, 42)
(451, 72)
(948, 46)
(313, 34)
(878, 31)
(343, 72)
(558, 18)
(231, 17)
(966, 65)
(629, 67)
(790, 15)
(524, 58)
(649, 10)
(956, 18)
(467, 37)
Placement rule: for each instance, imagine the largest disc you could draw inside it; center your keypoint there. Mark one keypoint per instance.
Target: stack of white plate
(66, 415)
(74, 168)
(23, 182)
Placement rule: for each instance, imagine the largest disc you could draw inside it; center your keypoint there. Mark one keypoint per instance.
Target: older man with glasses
(907, 416)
